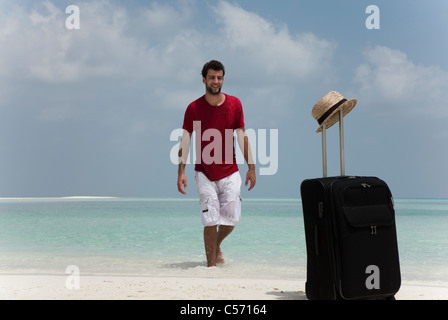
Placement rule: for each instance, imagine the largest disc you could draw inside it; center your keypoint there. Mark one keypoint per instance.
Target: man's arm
(243, 142)
(184, 149)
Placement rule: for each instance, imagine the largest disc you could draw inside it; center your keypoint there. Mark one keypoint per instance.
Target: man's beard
(211, 91)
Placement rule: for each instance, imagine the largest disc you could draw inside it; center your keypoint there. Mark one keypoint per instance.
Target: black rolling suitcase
(351, 241)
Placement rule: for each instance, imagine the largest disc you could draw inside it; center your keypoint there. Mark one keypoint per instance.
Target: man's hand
(250, 176)
(182, 183)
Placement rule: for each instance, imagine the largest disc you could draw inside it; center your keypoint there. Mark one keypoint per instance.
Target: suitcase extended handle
(341, 144)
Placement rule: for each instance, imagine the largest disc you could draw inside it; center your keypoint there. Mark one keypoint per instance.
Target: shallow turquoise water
(138, 236)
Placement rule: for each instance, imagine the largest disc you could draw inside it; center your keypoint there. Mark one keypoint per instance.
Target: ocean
(164, 237)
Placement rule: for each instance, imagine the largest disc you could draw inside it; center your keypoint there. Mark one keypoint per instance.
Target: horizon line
(169, 198)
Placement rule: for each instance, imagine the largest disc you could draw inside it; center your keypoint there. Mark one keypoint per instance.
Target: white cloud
(389, 75)
(109, 44)
(114, 41)
(272, 49)
(39, 47)
(157, 47)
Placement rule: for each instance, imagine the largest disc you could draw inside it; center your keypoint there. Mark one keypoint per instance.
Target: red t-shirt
(214, 128)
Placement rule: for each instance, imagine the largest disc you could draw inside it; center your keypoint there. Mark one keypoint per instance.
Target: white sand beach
(51, 287)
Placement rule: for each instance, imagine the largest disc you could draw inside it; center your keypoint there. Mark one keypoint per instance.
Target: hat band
(330, 111)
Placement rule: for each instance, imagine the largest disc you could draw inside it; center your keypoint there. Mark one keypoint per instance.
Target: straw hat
(326, 111)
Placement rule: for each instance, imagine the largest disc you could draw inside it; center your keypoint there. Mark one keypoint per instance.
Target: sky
(95, 110)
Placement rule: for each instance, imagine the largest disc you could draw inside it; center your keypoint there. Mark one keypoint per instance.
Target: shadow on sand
(277, 295)
(185, 265)
(288, 295)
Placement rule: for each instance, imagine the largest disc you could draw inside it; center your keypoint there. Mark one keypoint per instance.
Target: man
(215, 116)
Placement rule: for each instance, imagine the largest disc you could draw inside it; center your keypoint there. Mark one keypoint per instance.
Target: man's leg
(223, 232)
(230, 210)
(210, 240)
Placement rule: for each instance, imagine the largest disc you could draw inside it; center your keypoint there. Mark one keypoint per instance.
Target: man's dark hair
(214, 65)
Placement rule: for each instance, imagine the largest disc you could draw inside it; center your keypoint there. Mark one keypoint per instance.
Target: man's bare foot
(219, 257)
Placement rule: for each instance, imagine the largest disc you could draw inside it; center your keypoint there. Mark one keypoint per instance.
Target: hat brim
(334, 116)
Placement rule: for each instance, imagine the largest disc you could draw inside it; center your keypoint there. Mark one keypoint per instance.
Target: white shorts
(220, 201)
